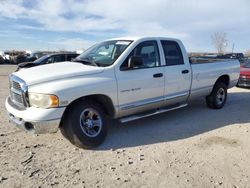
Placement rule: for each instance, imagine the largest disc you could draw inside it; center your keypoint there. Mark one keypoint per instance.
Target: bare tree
(247, 53)
(219, 40)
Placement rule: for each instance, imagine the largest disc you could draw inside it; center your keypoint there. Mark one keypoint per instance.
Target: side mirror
(135, 62)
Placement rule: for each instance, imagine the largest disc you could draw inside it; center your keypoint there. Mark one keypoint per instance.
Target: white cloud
(69, 44)
(190, 20)
(11, 9)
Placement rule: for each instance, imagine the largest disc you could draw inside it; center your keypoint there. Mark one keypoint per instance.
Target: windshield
(104, 53)
(41, 59)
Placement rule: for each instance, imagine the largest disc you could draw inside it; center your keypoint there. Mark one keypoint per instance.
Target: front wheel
(218, 97)
(84, 124)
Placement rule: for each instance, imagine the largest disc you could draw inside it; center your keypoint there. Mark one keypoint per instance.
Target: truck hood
(56, 71)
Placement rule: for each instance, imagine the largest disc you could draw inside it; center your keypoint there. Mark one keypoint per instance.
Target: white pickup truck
(124, 78)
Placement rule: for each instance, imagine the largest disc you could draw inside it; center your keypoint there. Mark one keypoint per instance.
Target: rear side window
(172, 53)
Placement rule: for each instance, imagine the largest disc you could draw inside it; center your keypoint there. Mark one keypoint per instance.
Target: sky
(78, 24)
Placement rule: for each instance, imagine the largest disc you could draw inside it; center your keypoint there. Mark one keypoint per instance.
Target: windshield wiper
(87, 62)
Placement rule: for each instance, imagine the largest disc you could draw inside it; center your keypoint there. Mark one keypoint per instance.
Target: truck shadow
(180, 124)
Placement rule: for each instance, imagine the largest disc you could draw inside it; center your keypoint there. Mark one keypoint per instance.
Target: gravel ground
(191, 147)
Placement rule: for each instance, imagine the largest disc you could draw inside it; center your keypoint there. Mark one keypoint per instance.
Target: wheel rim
(220, 96)
(90, 122)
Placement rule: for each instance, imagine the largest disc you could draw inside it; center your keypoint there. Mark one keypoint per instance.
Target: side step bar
(135, 117)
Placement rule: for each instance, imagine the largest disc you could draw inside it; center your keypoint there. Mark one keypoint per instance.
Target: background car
(36, 55)
(244, 80)
(240, 56)
(50, 58)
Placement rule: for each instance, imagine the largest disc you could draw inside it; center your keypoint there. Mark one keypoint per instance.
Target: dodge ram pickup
(123, 78)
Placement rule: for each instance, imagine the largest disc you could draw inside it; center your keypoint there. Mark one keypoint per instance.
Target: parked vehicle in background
(239, 56)
(6, 57)
(19, 59)
(125, 79)
(2, 61)
(12, 56)
(244, 80)
(36, 55)
(47, 59)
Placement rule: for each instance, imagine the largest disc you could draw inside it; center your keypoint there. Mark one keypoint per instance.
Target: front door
(141, 88)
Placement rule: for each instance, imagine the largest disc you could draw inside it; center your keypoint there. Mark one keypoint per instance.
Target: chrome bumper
(35, 127)
(34, 120)
(244, 82)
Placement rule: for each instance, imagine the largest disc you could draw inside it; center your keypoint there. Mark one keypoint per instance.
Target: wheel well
(104, 101)
(224, 79)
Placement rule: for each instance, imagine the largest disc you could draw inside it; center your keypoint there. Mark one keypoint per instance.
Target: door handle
(158, 75)
(185, 71)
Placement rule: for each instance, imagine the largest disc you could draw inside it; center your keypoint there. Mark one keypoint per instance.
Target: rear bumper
(244, 82)
(35, 120)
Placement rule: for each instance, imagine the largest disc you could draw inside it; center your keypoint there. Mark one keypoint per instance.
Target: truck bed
(207, 70)
(200, 60)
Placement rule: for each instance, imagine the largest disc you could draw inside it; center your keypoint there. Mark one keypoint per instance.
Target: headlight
(43, 100)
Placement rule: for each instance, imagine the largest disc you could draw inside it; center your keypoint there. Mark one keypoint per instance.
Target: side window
(172, 53)
(70, 57)
(148, 51)
(59, 58)
(50, 60)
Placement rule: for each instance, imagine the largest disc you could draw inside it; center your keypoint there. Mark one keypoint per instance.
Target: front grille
(18, 92)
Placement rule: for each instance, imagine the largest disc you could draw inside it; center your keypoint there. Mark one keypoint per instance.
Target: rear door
(177, 73)
(141, 88)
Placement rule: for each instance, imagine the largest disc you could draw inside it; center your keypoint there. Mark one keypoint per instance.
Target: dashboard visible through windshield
(103, 54)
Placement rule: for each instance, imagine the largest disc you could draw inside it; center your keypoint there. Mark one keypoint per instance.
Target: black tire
(78, 130)
(218, 96)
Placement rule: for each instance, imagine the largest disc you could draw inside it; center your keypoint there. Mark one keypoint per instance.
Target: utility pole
(233, 48)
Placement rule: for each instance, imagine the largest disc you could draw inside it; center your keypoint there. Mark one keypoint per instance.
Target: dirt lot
(190, 147)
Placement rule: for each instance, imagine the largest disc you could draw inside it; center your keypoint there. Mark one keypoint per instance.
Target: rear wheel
(84, 124)
(218, 97)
